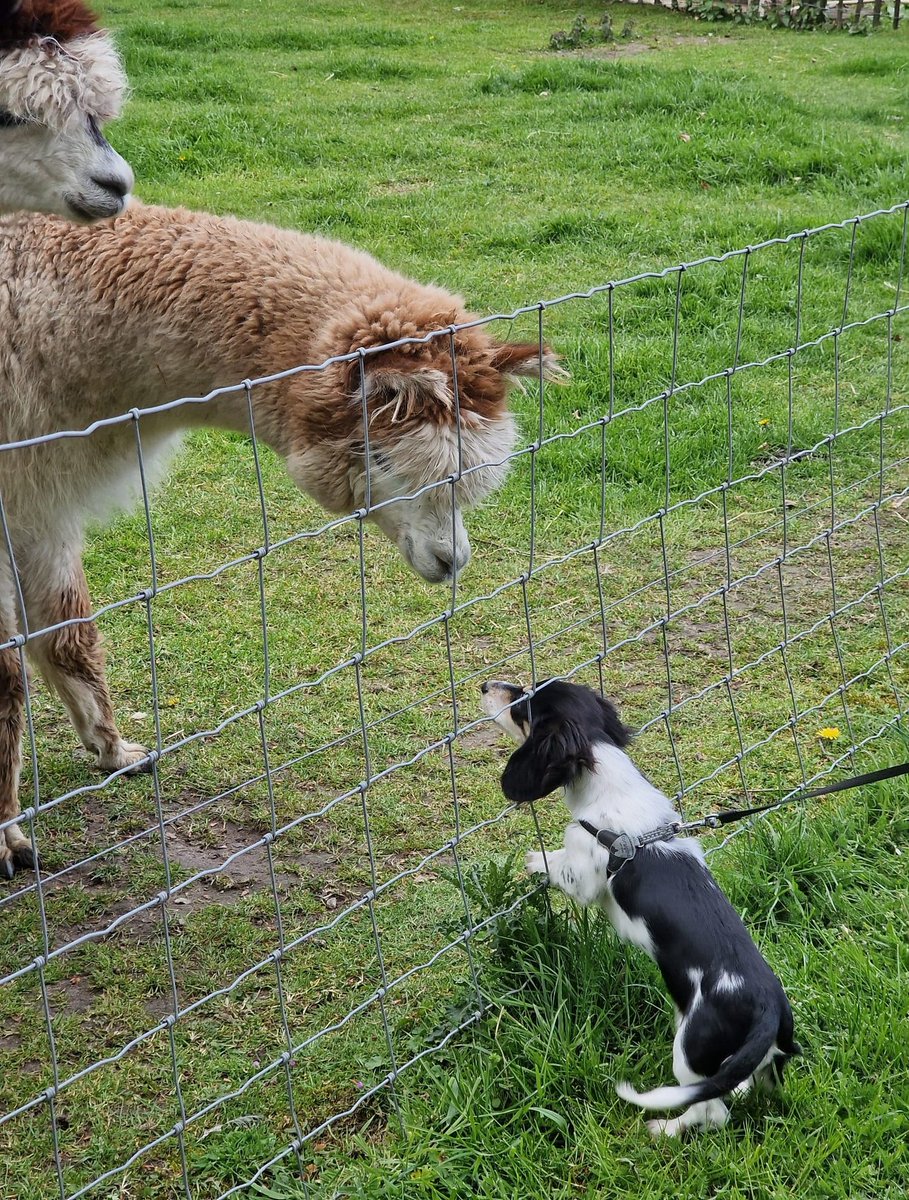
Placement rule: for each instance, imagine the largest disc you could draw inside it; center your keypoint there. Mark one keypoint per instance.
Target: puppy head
(557, 727)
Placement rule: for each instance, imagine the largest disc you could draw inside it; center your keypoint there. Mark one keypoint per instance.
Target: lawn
(665, 536)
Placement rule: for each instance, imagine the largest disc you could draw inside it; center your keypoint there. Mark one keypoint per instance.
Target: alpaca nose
(118, 184)
(450, 562)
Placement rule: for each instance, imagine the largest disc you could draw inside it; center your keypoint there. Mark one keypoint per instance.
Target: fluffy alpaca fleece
(734, 1023)
(164, 304)
(61, 80)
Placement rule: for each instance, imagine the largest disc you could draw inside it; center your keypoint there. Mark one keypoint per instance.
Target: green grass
(526, 1107)
(448, 141)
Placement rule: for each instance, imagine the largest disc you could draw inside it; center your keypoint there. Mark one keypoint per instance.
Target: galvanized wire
(668, 594)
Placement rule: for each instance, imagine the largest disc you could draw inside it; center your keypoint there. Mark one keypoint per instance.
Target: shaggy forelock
(59, 84)
(425, 454)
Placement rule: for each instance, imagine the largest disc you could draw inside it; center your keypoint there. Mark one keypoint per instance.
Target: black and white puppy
(734, 1023)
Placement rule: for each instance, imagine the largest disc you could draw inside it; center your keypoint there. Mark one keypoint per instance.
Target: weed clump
(582, 33)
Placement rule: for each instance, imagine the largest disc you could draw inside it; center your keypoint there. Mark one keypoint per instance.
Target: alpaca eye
(379, 458)
(9, 121)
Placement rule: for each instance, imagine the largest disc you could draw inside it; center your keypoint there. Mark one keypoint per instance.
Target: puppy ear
(550, 758)
(617, 732)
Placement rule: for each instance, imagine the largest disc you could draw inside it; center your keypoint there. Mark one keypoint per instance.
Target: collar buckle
(623, 847)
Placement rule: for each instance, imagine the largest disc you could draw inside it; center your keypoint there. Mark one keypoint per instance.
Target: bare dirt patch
(194, 848)
(484, 737)
(251, 870)
(631, 48)
(71, 996)
(401, 187)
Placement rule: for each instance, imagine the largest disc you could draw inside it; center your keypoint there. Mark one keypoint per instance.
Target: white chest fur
(614, 796)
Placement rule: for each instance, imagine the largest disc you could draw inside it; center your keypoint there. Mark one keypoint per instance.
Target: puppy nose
(485, 688)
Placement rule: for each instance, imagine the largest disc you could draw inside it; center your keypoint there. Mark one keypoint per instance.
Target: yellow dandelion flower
(829, 733)
(764, 421)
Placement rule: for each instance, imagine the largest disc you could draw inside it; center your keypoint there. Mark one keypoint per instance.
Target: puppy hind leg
(707, 1114)
(716, 1114)
(674, 1126)
(769, 1076)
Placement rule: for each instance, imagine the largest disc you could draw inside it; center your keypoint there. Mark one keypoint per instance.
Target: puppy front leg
(561, 874)
(543, 864)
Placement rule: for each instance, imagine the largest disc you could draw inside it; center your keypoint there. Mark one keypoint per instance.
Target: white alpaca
(60, 81)
(162, 304)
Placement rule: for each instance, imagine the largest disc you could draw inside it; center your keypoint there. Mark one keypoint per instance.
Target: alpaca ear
(550, 758)
(521, 360)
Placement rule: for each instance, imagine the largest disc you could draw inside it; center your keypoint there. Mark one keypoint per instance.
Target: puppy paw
(535, 863)
(660, 1129)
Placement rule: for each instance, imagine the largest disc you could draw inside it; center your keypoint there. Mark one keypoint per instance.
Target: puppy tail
(735, 1070)
(659, 1098)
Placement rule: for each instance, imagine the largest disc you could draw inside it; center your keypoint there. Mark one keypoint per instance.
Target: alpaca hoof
(129, 755)
(17, 856)
(24, 858)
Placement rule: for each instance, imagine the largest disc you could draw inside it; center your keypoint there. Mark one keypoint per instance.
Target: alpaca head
(424, 431)
(60, 81)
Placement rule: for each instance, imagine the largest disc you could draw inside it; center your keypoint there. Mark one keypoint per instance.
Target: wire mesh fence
(221, 963)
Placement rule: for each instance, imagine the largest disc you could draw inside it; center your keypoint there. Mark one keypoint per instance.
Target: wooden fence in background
(840, 13)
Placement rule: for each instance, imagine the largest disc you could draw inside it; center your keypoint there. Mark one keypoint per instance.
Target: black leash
(737, 814)
(622, 846)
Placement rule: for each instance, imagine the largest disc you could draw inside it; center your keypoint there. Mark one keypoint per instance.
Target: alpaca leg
(15, 847)
(71, 659)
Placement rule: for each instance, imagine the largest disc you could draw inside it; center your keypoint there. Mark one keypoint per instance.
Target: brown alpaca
(60, 81)
(164, 304)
